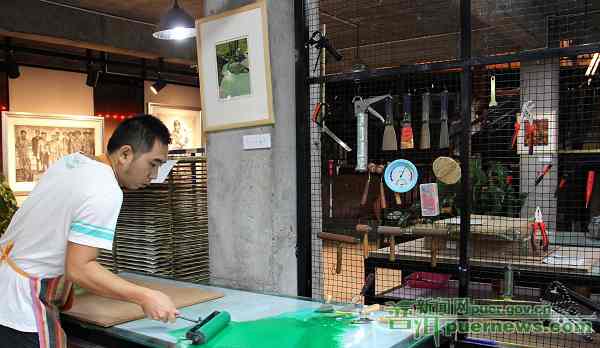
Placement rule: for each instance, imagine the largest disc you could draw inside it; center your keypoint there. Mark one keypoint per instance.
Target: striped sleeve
(95, 221)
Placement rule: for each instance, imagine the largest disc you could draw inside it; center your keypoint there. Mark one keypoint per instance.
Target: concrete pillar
(252, 194)
(540, 84)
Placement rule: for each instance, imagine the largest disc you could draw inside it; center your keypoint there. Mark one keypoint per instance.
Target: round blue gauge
(401, 176)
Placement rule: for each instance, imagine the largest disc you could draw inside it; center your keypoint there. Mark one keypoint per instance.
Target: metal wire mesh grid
(533, 149)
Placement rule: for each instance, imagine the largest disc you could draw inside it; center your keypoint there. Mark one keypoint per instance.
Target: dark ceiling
(141, 10)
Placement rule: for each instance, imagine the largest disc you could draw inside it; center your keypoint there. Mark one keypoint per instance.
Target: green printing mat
(304, 329)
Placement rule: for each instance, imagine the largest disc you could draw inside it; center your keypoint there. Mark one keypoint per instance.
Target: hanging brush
(406, 138)
(444, 140)
(425, 138)
(390, 140)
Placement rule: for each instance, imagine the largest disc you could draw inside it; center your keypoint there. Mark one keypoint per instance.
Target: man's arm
(82, 269)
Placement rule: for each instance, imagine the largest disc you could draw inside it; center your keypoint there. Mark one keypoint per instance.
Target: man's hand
(158, 306)
(82, 268)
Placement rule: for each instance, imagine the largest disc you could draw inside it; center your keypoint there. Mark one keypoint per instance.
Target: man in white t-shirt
(53, 239)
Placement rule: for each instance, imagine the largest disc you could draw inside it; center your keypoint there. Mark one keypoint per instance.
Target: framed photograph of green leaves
(234, 68)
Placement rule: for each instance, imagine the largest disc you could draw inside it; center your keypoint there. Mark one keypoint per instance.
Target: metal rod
(303, 160)
(104, 14)
(459, 64)
(465, 142)
(78, 57)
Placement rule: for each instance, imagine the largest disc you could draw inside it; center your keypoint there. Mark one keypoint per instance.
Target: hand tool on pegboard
(319, 122)
(380, 170)
(425, 137)
(562, 183)
(362, 109)
(493, 102)
(538, 223)
(541, 176)
(444, 137)
(320, 41)
(371, 167)
(390, 139)
(406, 135)
(529, 120)
(589, 188)
(516, 131)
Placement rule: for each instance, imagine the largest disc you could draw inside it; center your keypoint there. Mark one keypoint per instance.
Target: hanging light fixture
(12, 68)
(158, 85)
(176, 24)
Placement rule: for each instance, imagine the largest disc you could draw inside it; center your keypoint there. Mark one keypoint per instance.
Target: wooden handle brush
(390, 140)
(444, 140)
(406, 140)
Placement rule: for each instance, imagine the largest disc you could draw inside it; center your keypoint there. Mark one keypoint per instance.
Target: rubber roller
(207, 330)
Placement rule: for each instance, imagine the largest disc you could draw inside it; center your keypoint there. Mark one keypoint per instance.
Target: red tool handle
(561, 185)
(544, 236)
(330, 168)
(589, 187)
(516, 134)
(530, 130)
(539, 179)
(316, 112)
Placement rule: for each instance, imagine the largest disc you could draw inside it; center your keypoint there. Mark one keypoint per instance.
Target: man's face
(138, 171)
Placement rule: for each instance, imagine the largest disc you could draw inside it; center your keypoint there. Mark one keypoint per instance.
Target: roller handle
(389, 111)
(363, 200)
(444, 102)
(406, 102)
(426, 105)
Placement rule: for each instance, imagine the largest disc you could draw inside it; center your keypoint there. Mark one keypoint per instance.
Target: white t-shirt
(78, 199)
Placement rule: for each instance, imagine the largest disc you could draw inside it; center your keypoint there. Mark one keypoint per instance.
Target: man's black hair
(140, 132)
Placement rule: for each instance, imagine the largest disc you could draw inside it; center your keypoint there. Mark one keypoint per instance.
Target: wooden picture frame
(234, 68)
(546, 136)
(184, 123)
(31, 142)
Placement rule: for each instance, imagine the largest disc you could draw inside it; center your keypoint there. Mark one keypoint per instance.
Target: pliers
(539, 223)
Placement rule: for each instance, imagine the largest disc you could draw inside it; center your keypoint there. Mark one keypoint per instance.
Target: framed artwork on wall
(546, 134)
(235, 69)
(32, 142)
(184, 123)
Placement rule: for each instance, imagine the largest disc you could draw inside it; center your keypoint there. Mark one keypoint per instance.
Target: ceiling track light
(12, 68)
(10, 64)
(93, 74)
(158, 86)
(160, 83)
(176, 24)
(93, 71)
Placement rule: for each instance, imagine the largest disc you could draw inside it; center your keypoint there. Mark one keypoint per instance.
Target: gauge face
(401, 176)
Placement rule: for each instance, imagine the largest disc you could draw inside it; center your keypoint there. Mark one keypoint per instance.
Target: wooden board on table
(500, 227)
(107, 312)
(415, 250)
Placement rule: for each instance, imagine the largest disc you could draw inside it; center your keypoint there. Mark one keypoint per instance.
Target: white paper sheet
(558, 259)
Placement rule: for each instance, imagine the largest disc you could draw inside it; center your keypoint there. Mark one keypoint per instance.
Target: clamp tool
(539, 223)
(319, 122)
